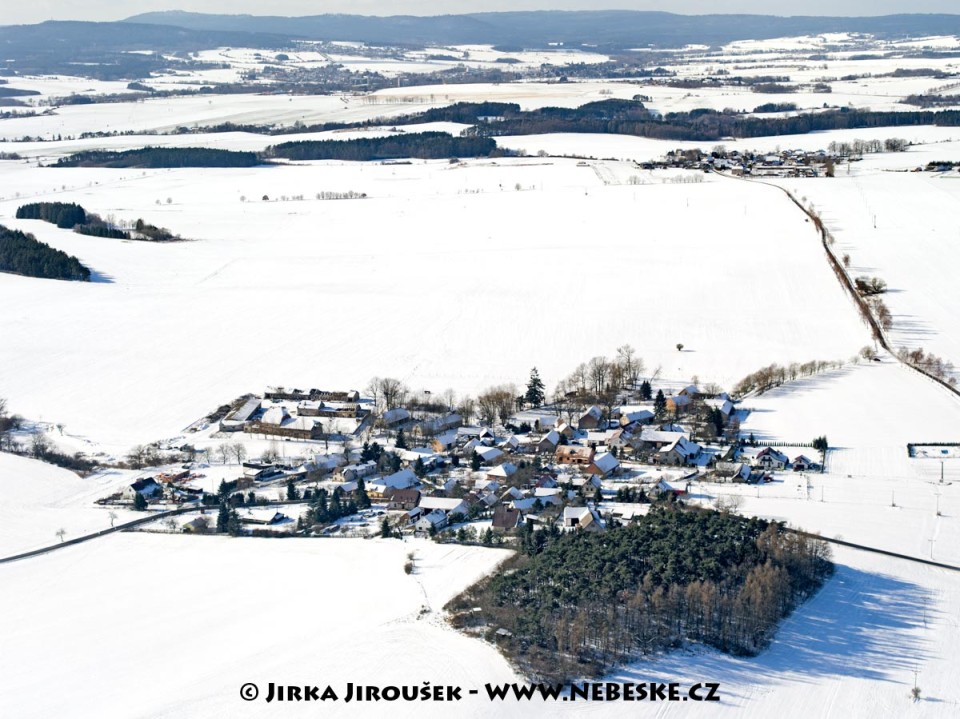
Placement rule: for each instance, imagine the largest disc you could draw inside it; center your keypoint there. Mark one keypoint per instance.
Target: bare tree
(224, 451)
(373, 391)
(38, 444)
(112, 516)
(61, 533)
(239, 451)
(466, 408)
(393, 391)
(137, 456)
(598, 373)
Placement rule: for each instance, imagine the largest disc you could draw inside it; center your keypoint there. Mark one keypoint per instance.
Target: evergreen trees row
(420, 145)
(159, 157)
(62, 214)
(24, 254)
(585, 601)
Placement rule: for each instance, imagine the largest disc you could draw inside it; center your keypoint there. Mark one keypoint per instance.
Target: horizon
(101, 11)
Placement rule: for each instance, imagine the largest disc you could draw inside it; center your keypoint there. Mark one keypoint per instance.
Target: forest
(420, 145)
(575, 604)
(160, 157)
(72, 216)
(23, 254)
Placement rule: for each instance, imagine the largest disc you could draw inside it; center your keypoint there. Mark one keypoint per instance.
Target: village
(337, 463)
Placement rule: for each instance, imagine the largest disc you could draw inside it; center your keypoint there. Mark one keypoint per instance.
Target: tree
(363, 499)
(61, 533)
(112, 516)
(293, 493)
(535, 394)
(239, 451)
(224, 451)
(659, 404)
(646, 391)
(139, 502)
(679, 346)
(419, 469)
(401, 442)
(385, 531)
(475, 461)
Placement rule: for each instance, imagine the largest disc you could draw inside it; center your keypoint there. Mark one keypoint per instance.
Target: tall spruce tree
(660, 404)
(535, 390)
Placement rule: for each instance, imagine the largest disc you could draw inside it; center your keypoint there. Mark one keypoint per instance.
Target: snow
(435, 235)
(38, 499)
(922, 292)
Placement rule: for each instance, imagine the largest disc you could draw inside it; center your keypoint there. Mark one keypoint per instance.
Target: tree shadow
(860, 625)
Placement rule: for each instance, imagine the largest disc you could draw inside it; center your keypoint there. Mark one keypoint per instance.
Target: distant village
(337, 463)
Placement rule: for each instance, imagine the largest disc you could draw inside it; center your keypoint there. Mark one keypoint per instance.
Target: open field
(205, 614)
(431, 279)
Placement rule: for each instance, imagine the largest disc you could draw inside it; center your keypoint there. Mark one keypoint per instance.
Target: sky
(40, 10)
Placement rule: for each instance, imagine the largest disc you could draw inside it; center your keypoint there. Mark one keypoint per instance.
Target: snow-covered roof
(507, 469)
(606, 462)
(444, 504)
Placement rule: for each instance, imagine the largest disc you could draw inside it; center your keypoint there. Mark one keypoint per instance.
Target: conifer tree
(535, 389)
(659, 404)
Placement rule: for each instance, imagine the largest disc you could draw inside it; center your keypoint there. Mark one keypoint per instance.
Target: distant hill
(104, 49)
(537, 29)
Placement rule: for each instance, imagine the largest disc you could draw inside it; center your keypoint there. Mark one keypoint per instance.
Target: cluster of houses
(301, 414)
(784, 163)
(540, 461)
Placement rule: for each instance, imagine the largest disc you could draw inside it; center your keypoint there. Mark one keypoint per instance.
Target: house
(235, 420)
(403, 499)
(502, 472)
(510, 494)
(604, 464)
(735, 471)
(510, 444)
(635, 416)
(396, 417)
(405, 478)
(667, 488)
(689, 391)
(803, 464)
(573, 454)
(146, 488)
(448, 505)
(506, 519)
(267, 517)
(723, 404)
(444, 442)
(590, 419)
(353, 472)
(678, 402)
(486, 485)
(435, 520)
(682, 452)
(538, 420)
(549, 495)
(198, 525)
(769, 458)
(481, 434)
(549, 443)
(489, 454)
(565, 430)
(658, 439)
(580, 518)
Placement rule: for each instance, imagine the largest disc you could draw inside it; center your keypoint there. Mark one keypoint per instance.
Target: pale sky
(39, 10)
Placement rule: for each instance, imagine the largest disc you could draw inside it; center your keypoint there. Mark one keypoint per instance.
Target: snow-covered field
(446, 276)
(902, 228)
(463, 276)
(105, 620)
(37, 500)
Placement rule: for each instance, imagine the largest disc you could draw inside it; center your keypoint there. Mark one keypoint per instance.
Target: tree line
(72, 216)
(24, 254)
(420, 145)
(581, 602)
(161, 157)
